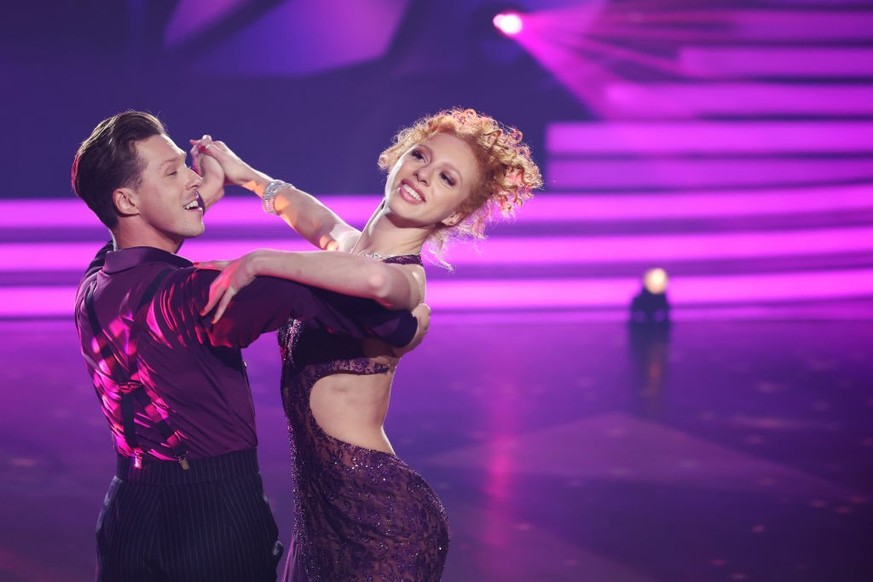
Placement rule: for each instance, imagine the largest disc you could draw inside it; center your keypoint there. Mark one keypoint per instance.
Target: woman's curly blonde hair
(509, 174)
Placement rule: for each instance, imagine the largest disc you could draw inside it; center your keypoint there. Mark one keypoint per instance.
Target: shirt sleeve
(268, 302)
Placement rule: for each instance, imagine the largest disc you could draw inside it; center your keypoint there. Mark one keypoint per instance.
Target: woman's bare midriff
(352, 408)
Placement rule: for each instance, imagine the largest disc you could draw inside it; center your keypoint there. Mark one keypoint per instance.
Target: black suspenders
(129, 386)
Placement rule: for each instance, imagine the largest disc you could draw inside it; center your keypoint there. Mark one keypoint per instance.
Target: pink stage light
(671, 100)
(552, 37)
(512, 250)
(703, 173)
(713, 292)
(245, 213)
(509, 23)
(722, 137)
(819, 62)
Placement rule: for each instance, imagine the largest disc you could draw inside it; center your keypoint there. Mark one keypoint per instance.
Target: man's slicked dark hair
(108, 160)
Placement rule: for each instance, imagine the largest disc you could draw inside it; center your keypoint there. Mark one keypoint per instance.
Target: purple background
(311, 90)
(727, 142)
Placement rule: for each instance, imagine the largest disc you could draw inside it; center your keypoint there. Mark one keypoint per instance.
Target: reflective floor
(563, 449)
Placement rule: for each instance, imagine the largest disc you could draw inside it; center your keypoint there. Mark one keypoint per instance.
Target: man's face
(170, 208)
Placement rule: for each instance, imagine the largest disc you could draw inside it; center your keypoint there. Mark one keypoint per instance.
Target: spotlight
(655, 281)
(509, 23)
(495, 30)
(650, 305)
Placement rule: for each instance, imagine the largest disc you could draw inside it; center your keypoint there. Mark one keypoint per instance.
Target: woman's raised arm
(303, 212)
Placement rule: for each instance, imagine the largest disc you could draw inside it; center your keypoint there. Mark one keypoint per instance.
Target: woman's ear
(125, 201)
(453, 219)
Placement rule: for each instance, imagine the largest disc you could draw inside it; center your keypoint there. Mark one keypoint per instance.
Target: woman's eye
(448, 179)
(417, 155)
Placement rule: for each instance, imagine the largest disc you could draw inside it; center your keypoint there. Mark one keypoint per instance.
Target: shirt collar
(128, 258)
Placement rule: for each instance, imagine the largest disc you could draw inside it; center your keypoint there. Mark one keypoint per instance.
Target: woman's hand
(236, 171)
(212, 189)
(233, 277)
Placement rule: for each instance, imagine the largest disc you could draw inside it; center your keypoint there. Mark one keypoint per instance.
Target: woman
(361, 513)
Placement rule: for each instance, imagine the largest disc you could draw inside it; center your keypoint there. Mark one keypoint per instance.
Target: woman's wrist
(271, 191)
(254, 181)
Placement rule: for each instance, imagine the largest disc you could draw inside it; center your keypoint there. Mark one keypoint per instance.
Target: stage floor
(563, 449)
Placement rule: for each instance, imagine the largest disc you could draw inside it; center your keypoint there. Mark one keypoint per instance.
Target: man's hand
(422, 314)
(234, 276)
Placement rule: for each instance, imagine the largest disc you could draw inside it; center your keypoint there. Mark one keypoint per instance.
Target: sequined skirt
(361, 514)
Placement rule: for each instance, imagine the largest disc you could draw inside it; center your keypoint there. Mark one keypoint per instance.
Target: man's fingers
(211, 266)
(213, 298)
(422, 314)
(225, 300)
(215, 293)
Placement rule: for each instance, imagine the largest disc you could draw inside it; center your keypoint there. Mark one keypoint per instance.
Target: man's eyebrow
(173, 160)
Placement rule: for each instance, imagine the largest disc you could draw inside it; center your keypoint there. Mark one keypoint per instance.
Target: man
(187, 500)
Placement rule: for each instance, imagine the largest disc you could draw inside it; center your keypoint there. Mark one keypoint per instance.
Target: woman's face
(431, 181)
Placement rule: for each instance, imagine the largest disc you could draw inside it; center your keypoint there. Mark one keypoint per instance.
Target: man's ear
(126, 201)
(453, 219)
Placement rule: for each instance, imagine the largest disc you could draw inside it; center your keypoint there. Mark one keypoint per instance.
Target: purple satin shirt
(195, 370)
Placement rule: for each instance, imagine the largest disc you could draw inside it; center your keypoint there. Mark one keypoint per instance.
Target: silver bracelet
(270, 192)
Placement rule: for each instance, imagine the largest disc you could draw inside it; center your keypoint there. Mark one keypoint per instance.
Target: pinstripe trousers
(212, 522)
